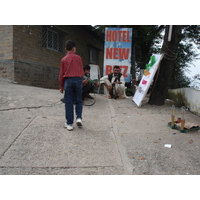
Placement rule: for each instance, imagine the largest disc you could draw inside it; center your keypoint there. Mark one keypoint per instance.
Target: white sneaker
(69, 127)
(79, 122)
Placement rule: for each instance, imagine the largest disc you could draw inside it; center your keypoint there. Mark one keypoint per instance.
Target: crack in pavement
(17, 137)
(32, 107)
(128, 168)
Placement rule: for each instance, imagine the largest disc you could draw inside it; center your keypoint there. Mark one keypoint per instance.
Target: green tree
(170, 51)
(178, 54)
(187, 53)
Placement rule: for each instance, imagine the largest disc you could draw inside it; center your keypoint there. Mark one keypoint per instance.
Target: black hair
(69, 45)
(116, 67)
(86, 67)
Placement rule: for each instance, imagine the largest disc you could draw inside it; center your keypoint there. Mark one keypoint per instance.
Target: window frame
(93, 55)
(54, 33)
(49, 43)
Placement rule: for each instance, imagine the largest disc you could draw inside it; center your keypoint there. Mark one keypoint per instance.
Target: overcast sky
(194, 69)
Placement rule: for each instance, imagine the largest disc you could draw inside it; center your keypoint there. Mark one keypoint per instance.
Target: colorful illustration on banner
(147, 78)
(144, 82)
(146, 72)
(151, 63)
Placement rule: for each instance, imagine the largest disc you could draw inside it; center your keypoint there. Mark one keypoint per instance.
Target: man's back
(72, 65)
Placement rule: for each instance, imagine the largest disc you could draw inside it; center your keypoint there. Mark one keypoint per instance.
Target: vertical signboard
(147, 79)
(117, 50)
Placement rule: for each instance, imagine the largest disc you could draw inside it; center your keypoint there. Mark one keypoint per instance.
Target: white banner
(147, 79)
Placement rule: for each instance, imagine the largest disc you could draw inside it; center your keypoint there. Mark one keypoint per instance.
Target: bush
(129, 92)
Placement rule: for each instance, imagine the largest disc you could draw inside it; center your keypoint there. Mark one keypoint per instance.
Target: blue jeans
(73, 96)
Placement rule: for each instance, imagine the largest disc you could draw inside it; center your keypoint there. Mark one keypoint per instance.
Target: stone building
(31, 55)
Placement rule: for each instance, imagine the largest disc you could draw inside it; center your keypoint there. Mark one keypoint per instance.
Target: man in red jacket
(70, 79)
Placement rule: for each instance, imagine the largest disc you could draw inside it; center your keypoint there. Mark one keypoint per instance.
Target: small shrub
(129, 92)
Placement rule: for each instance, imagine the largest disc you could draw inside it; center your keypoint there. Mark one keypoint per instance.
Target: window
(52, 39)
(93, 55)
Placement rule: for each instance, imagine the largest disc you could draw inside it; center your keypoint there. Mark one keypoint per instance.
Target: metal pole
(170, 33)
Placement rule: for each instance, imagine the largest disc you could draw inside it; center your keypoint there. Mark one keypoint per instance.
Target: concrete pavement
(117, 137)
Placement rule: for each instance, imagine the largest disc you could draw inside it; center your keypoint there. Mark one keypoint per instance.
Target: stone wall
(7, 69)
(35, 74)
